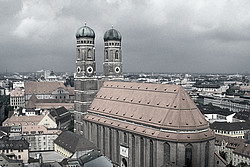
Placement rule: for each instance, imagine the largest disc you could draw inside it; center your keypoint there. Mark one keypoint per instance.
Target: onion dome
(112, 34)
(85, 31)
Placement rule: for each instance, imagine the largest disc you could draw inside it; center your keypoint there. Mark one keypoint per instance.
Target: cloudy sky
(158, 35)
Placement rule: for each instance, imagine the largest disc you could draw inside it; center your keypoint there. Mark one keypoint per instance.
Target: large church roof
(156, 110)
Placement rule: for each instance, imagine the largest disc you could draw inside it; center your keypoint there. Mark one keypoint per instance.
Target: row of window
(86, 42)
(110, 137)
(112, 44)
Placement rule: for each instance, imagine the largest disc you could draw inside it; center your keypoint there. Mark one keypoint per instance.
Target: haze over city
(157, 36)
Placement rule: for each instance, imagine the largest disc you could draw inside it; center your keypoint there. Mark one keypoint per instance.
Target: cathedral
(136, 124)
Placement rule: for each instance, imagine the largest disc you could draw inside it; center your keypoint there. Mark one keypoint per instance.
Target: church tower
(86, 83)
(112, 66)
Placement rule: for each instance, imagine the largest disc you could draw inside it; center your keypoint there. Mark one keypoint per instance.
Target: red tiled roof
(166, 109)
(42, 87)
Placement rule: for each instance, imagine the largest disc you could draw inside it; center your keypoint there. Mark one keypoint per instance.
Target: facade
(39, 137)
(138, 124)
(236, 149)
(46, 104)
(5, 161)
(47, 90)
(15, 149)
(241, 154)
(72, 145)
(86, 82)
(23, 120)
(112, 65)
(17, 98)
(235, 105)
(234, 129)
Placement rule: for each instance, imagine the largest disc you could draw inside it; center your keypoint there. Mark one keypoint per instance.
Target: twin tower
(85, 50)
(86, 82)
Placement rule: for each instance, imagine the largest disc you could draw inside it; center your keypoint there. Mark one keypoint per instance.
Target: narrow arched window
(116, 54)
(142, 152)
(103, 139)
(133, 151)
(188, 155)
(151, 152)
(98, 137)
(89, 54)
(110, 143)
(166, 154)
(125, 137)
(78, 53)
(117, 146)
(207, 154)
(106, 55)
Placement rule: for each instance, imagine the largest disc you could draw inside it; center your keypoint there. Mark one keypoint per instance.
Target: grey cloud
(158, 36)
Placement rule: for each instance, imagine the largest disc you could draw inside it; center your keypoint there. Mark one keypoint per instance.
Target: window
(151, 152)
(106, 55)
(89, 54)
(188, 155)
(142, 152)
(118, 146)
(110, 143)
(133, 151)
(103, 139)
(166, 154)
(207, 154)
(125, 137)
(116, 54)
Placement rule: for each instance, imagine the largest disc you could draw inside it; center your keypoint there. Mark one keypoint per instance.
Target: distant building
(237, 150)
(48, 90)
(44, 119)
(72, 145)
(15, 149)
(234, 129)
(91, 159)
(62, 116)
(138, 124)
(17, 98)
(235, 105)
(228, 145)
(242, 154)
(39, 137)
(5, 161)
(18, 84)
(47, 104)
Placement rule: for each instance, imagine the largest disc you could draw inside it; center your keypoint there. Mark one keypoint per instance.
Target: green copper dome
(85, 31)
(112, 34)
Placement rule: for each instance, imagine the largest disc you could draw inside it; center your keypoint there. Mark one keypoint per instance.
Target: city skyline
(158, 36)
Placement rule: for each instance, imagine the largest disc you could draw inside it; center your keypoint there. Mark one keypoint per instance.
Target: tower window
(89, 53)
(106, 55)
(116, 54)
(84, 41)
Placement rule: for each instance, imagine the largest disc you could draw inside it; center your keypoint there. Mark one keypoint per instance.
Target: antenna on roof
(112, 26)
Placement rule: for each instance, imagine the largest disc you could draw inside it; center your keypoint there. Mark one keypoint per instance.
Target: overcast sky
(157, 35)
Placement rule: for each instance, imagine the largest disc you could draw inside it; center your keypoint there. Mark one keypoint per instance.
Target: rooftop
(155, 110)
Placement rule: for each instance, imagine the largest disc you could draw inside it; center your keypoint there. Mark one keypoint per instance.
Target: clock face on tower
(90, 70)
(117, 69)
